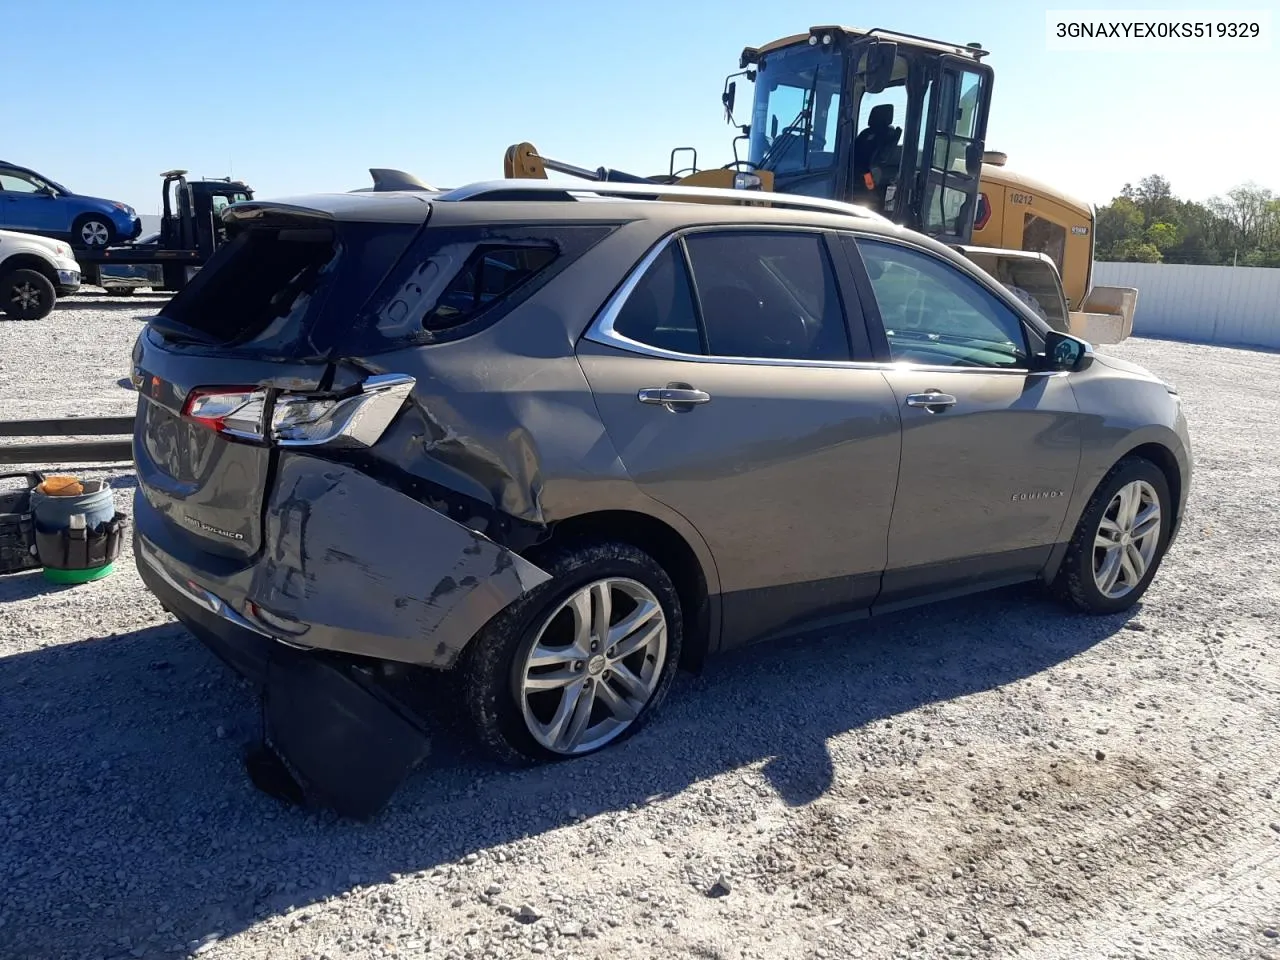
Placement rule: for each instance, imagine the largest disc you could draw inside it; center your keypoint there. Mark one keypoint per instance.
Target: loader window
(950, 194)
(1044, 236)
(796, 112)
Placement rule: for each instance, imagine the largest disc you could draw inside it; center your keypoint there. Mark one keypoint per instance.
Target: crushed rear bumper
(351, 573)
(332, 734)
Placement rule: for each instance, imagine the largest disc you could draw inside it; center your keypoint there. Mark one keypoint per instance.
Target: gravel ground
(988, 777)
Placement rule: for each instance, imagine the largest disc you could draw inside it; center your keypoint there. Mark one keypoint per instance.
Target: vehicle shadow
(131, 816)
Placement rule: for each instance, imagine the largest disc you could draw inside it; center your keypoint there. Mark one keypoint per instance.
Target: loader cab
(886, 120)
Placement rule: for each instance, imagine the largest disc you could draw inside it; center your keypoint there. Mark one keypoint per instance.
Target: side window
(659, 310)
(17, 183)
(934, 314)
(765, 296)
(768, 295)
(490, 273)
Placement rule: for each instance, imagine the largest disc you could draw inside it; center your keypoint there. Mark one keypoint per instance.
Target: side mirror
(46, 192)
(882, 55)
(727, 98)
(1065, 352)
(973, 158)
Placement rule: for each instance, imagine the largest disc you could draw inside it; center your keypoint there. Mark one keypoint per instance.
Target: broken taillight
(354, 418)
(235, 411)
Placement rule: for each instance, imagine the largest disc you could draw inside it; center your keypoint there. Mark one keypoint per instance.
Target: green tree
(1146, 222)
(1154, 197)
(1163, 236)
(1118, 221)
(1138, 251)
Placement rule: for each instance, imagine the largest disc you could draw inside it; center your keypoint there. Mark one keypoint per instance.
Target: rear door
(990, 449)
(740, 407)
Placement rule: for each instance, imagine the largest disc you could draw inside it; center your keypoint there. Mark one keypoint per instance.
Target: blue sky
(296, 97)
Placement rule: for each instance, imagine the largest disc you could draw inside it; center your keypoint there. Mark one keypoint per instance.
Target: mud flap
(333, 736)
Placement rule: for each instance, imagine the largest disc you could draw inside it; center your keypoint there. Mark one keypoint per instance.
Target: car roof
(546, 200)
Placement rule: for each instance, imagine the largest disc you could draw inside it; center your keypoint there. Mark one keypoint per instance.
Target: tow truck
(190, 232)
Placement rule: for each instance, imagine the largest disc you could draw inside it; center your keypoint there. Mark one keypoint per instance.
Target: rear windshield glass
(268, 289)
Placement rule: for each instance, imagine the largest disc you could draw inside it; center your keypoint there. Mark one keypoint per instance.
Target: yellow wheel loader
(898, 123)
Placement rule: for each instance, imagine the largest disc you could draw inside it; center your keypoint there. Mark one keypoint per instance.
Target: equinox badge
(207, 528)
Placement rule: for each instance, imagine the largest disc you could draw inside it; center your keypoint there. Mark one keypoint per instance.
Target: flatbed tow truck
(191, 231)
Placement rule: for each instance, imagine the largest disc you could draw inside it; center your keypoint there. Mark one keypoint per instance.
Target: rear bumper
(331, 733)
(245, 650)
(348, 565)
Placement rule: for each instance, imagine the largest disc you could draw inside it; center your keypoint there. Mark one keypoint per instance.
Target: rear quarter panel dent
(377, 572)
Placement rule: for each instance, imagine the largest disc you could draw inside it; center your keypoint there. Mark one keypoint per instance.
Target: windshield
(795, 114)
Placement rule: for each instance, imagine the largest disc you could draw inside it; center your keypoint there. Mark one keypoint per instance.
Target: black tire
(27, 294)
(1075, 580)
(492, 665)
(77, 232)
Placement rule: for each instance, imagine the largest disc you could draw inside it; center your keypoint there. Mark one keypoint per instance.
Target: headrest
(881, 116)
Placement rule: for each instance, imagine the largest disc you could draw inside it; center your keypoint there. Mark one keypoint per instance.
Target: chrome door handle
(930, 400)
(675, 398)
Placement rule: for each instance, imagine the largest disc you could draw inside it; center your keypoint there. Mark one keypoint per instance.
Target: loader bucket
(1031, 277)
(1105, 315)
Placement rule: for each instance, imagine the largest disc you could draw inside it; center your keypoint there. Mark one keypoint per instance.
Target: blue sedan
(32, 203)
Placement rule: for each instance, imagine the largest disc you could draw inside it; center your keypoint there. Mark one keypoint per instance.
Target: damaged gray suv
(558, 441)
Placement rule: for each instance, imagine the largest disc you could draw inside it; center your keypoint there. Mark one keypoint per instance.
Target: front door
(990, 450)
(739, 408)
(23, 205)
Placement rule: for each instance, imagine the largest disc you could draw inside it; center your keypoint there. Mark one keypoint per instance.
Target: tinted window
(659, 311)
(490, 273)
(935, 314)
(768, 295)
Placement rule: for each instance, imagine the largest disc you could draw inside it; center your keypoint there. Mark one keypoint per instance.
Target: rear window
(270, 290)
(491, 273)
(455, 281)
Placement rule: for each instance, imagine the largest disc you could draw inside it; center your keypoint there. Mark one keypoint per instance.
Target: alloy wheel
(1125, 543)
(94, 233)
(593, 666)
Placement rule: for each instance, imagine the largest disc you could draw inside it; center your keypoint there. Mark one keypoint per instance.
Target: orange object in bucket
(61, 486)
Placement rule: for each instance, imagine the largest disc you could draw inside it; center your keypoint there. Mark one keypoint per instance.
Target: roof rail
(552, 190)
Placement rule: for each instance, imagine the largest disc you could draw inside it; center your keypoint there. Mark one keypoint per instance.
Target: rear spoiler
(249, 212)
